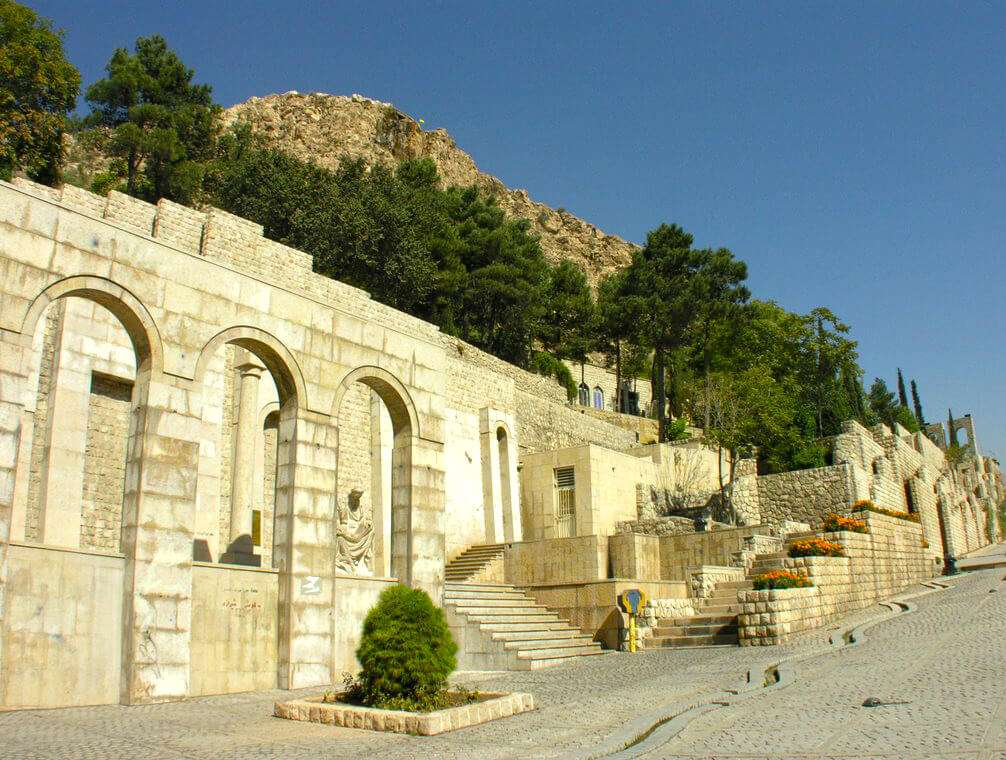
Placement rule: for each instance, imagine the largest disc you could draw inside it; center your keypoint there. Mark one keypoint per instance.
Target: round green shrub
(406, 650)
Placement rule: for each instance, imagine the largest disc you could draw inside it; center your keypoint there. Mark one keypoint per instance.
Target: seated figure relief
(354, 545)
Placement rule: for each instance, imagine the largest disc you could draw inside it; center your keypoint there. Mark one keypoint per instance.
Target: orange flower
(816, 547)
(835, 522)
(780, 579)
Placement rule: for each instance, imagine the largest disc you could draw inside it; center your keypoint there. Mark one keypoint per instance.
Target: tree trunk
(660, 394)
(618, 376)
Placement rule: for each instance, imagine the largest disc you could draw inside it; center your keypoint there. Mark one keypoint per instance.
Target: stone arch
(393, 524)
(393, 393)
(62, 514)
(125, 306)
(276, 357)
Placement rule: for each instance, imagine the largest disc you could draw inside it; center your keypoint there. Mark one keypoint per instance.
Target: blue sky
(852, 154)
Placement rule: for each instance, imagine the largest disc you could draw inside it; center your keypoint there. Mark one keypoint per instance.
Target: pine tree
(917, 404)
(902, 396)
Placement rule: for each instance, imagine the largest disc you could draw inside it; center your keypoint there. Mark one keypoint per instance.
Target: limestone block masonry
(877, 566)
(137, 346)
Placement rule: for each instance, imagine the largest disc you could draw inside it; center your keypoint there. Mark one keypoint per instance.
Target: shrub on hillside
(816, 547)
(775, 579)
(834, 523)
(406, 653)
(865, 505)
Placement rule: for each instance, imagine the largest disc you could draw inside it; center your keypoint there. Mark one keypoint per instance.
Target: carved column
(242, 490)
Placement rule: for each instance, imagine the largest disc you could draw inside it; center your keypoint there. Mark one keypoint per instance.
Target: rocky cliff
(323, 128)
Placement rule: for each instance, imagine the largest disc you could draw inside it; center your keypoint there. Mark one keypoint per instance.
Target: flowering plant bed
(816, 547)
(834, 523)
(780, 579)
(329, 710)
(868, 506)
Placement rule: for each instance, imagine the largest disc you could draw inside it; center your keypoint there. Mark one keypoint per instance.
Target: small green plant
(406, 653)
(544, 363)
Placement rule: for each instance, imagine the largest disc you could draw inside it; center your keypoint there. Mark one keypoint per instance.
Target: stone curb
(313, 710)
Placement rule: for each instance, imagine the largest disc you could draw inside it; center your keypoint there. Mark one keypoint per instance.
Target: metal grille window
(565, 507)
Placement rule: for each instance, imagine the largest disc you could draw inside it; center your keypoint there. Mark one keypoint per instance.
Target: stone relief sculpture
(354, 543)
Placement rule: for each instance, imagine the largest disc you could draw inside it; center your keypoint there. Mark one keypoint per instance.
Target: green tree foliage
(568, 324)
(778, 378)
(503, 304)
(406, 651)
(38, 88)
(882, 402)
(902, 393)
(450, 256)
(719, 294)
(887, 410)
(660, 287)
(918, 405)
(161, 125)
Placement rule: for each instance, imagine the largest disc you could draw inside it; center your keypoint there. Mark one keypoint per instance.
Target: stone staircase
(482, 563)
(715, 621)
(499, 627)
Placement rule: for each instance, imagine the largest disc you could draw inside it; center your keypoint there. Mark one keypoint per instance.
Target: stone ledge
(313, 710)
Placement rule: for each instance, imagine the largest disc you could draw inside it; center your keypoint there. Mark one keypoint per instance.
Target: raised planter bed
(494, 705)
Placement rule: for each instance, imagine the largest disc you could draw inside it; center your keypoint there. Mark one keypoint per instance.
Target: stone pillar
(13, 363)
(426, 540)
(305, 546)
(158, 519)
(245, 437)
(381, 440)
(65, 445)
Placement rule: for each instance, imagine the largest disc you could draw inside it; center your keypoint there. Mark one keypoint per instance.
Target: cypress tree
(952, 439)
(917, 404)
(902, 396)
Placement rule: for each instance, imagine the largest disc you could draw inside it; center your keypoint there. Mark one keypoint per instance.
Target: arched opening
(598, 397)
(373, 514)
(583, 394)
(80, 401)
(244, 506)
(909, 499)
(89, 350)
(506, 492)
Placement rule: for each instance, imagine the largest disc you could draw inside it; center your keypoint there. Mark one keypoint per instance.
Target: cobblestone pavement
(945, 664)
(947, 659)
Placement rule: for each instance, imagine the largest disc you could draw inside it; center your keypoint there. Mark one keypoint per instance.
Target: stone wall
(877, 566)
(805, 495)
(105, 463)
(580, 559)
(682, 555)
(63, 609)
(235, 618)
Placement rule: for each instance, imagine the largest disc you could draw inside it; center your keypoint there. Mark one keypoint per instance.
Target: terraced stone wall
(877, 566)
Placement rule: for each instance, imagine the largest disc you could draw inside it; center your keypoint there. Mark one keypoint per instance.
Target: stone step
(725, 639)
(721, 609)
(555, 652)
(548, 662)
(734, 585)
(479, 586)
(694, 630)
(545, 628)
(482, 601)
(513, 618)
(546, 634)
(556, 644)
(450, 593)
(480, 610)
(697, 620)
